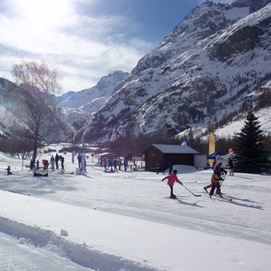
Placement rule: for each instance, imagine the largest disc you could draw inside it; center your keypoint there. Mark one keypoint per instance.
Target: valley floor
(126, 221)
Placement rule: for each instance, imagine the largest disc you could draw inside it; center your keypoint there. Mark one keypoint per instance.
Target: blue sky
(85, 39)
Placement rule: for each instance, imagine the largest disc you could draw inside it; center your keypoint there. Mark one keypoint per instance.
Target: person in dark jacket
(56, 160)
(61, 158)
(230, 164)
(8, 170)
(79, 160)
(169, 168)
(158, 167)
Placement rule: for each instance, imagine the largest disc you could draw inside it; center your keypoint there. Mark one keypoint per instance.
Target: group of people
(53, 161)
(215, 180)
(218, 175)
(113, 164)
(57, 159)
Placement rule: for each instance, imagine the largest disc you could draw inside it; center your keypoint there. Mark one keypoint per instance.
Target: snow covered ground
(126, 221)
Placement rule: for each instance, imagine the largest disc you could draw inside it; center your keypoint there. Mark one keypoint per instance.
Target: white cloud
(83, 50)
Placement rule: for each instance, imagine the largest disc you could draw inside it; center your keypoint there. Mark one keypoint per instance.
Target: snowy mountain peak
(104, 88)
(78, 107)
(203, 71)
(109, 82)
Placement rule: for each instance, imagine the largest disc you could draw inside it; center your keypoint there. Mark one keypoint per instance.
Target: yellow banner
(211, 144)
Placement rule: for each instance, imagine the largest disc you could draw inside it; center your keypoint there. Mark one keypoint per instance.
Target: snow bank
(78, 253)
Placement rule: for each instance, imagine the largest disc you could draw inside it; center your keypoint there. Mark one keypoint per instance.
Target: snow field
(126, 221)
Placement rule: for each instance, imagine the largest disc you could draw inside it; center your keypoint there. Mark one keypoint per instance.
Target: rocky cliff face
(203, 70)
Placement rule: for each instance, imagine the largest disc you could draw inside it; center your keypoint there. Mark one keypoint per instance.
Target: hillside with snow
(125, 221)
(14, 116)
(77, 107)
(213, 64)
(234, 127)
(88, 98)
(73, 108)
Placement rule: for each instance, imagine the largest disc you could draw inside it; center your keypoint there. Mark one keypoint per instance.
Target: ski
(171, 198)
(221, 197)
(18, 192)
(225, 197)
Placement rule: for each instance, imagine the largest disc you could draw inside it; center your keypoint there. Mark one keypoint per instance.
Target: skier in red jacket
(172, 178)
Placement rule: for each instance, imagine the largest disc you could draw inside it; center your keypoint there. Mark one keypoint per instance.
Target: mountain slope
(207, 67)
(102, 90)
(79, 106)
(13, 115)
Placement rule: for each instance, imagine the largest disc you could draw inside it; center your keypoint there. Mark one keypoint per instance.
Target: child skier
(219, 170)
(172, 178)
(215, 183)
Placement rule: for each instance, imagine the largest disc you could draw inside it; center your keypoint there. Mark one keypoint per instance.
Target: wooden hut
(164, 155)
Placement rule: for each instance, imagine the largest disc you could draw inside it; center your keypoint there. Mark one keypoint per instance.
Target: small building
(168, 154)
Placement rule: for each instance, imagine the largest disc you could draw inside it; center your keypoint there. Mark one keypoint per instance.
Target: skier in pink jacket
(172, 178)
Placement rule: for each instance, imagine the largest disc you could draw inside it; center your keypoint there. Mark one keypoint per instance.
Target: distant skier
(230, 164)
(172, 178)
(45, 164)
(125, 164)
(32, 164)
(158, 167)
(61, 158)
(56, 160)
(8, 170)
(52, 161)
(169, 168)
(79, 160)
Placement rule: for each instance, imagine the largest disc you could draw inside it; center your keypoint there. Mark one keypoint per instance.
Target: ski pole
(191, 191)
(223, 180)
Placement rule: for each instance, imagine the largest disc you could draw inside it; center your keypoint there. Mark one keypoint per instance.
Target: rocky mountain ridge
(210, 65)
(78, 107)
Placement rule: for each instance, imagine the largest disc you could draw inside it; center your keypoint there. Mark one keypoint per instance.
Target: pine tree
(249, 154)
